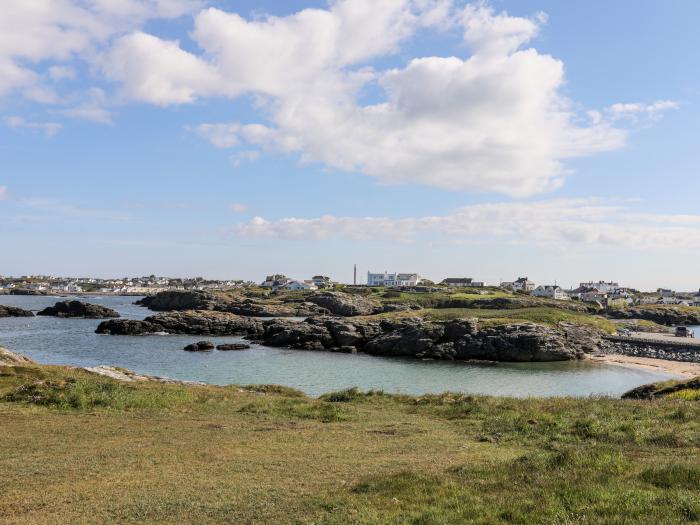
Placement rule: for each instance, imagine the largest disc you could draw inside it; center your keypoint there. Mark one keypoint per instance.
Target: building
(696, 299)
(275, 281)
(551, 291)
(522, 284)
(601, 286)
(392, 279)
(299, 285)
(594, 296)
(462, 282)
(321, 281)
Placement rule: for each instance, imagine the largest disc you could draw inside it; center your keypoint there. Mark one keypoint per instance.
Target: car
(684, 331)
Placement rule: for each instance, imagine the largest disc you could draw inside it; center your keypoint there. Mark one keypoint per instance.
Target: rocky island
(78, 309)
(14, 311)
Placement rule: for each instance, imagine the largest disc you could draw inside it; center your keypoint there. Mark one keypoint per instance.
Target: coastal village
(605, 294)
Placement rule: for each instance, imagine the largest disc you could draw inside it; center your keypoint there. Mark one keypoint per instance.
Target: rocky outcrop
(201, 346)
(79, 309)
(666, 315)
(8, 358)
(657, 390)
(233, 347)
(342, 304)
(179, 300)
(251, 308)
(13, 311)
(188, 322)
(414, 337)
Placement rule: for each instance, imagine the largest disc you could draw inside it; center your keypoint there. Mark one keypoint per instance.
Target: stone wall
(653, 349)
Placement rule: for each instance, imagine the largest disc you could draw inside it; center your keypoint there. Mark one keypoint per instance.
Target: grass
(79, 448)
(543, 315)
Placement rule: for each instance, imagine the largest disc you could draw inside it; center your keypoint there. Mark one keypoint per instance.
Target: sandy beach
(678, 368)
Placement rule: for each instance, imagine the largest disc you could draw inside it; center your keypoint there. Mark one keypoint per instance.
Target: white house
(300, 285)
(550, 291)
(601, 286)
(522, 284)
(321, 281)
(392, 279)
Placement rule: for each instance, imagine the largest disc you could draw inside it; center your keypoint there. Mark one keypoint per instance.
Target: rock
(179, 300)
(8, 358)
(79, 309)
(666, 315)
(24, 291)
(13, 311)
(127, 327)
(188, 322)
(657, 390)
(233, 346)
(201, 346)
(343, 304)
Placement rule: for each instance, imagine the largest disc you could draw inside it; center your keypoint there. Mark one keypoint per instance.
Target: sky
(235, 139)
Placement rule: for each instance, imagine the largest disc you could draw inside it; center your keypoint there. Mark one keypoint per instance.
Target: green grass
(546, 316)
(77, 448)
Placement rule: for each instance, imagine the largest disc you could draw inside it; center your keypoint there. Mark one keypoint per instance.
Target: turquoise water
(73, 342)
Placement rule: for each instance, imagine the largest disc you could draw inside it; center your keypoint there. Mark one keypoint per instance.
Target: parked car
(684, 331)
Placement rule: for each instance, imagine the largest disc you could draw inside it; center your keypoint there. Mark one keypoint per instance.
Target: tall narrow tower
(354, 275)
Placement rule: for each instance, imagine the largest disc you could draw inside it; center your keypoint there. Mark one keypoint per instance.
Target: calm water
(73, 342)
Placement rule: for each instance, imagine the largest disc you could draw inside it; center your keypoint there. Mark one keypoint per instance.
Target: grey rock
(233, 346)
(79, 309)
(14, 311)
(201, 346)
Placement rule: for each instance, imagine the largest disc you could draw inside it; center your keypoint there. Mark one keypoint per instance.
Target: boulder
(233, 346)
(179, 300)
(8, 358)
(343, 304)
(79, 309)
(13, 311)
(201, 346)
(127, 327)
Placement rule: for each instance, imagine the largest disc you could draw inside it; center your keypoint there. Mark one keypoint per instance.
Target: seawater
(74, 342)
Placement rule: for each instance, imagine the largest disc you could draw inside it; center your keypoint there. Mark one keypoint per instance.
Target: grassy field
(81, 449)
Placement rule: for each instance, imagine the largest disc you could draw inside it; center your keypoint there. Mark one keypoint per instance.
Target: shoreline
(680, 369)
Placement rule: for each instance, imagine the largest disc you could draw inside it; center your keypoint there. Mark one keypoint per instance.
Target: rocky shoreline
(405, 337)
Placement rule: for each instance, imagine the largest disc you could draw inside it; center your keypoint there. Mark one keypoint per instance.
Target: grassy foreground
(77, 448)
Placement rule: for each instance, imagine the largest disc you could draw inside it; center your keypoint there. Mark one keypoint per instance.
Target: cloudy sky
(232, 139)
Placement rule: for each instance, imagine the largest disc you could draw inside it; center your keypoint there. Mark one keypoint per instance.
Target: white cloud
(48, 128)
(559, 222)
(637, 109)
(3, 193)
(35, 31)
(92, 108)
(496, 120)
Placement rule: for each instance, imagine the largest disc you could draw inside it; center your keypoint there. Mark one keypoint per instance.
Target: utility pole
(354, 276)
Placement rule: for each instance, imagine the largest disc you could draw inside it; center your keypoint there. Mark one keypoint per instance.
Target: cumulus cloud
(35, 31)
(48, 128)
(558, 222)
(495, 119)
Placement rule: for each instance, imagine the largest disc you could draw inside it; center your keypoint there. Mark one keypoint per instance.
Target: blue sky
(559, 142)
